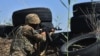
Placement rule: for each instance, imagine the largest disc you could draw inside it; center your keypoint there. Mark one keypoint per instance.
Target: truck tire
(84, 23)
(58, 39)
(86, 8)
(18, 17)
(5, 30)
(89, 45)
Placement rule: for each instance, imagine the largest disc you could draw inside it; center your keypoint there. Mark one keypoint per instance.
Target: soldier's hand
(41, 36)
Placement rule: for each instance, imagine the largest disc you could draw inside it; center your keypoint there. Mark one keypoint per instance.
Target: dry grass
(5, 46)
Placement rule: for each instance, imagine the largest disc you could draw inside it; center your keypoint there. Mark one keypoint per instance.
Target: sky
(59, 12)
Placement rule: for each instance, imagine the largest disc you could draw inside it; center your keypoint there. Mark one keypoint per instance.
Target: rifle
(48, 29)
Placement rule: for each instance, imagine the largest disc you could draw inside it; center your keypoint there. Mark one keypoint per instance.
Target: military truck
(83, 40)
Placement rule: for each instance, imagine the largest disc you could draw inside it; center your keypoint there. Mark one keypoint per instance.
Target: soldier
(26, 35)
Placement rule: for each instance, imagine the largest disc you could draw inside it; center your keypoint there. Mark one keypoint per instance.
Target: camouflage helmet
(32, 19)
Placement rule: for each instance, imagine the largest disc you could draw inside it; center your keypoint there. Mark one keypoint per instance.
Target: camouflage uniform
(21, 43)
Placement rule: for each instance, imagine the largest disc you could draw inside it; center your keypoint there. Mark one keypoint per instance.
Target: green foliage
(68, 8)
(91, 0)
(69, 2)
(9, 22)
(63, 4)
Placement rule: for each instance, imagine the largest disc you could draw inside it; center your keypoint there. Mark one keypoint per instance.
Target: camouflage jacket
(21, 43)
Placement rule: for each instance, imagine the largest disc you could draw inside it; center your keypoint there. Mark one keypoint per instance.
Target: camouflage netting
(5, 46)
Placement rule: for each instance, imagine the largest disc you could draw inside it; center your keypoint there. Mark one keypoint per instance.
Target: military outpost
(33, 33)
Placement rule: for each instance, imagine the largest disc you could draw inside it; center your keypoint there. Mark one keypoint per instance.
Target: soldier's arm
(31, 32)
(40, 36)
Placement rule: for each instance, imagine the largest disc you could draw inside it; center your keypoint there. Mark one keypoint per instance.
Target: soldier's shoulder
(26, 26)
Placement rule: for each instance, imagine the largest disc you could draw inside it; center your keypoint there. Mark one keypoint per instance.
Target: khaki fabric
(32, 19)
(21, 43)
